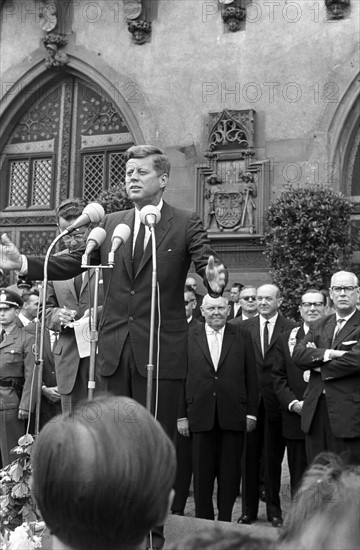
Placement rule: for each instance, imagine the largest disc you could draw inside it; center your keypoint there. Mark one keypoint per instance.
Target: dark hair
(315, 291)
(102, 474)
(189, 288)
(26, 295)
(70, 208)
(239, 286)
(160, 161)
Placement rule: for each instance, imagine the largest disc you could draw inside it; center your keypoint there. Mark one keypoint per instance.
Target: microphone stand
(40, 361)
(150, 365)
(94, 334)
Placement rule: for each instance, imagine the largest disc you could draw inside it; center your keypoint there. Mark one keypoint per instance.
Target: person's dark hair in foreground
(326, 509)
(103, 476)
(217, 538)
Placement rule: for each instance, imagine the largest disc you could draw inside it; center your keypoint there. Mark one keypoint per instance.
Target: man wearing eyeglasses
(66, 302)
(290, 385)
(331, 350)
(247, 302)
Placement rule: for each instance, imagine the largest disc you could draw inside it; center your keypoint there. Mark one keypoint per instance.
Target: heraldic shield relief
(227, 209)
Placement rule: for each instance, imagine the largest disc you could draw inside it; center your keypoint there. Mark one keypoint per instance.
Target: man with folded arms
(331, 350)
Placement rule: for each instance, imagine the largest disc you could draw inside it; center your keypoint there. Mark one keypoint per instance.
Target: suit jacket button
(131, 318)
(132, 292)
(214, 394)
(215, 377)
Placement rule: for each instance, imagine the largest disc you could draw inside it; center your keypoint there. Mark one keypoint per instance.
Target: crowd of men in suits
(232, 383)
(306, 395)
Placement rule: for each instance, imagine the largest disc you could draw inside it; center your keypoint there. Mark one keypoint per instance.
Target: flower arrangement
(23, 537)
(18, 513)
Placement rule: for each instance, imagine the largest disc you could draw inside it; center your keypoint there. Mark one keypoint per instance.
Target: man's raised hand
(216, 276)
(10, 257)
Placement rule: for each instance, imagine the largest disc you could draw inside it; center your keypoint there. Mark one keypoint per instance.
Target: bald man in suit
(219, 405)
(268, 433)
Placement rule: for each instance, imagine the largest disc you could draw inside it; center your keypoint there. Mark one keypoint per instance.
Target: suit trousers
(273, 454)
(296, 455)
(80, 389)
(320, 437)
(127, 380)
(216, 455)
(11, 428)
(184, 472)
(251, 474)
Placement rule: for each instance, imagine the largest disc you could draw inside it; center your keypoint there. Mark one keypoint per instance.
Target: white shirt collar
(210, 330)
(272, 321)
(345, 318)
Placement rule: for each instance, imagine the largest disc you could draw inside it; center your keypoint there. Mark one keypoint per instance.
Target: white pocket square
(349, 343)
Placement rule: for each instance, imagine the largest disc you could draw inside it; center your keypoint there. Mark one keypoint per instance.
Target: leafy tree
(114, 200)
(307, 240)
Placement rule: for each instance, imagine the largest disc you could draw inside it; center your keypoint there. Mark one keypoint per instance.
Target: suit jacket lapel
(347, 329)
(256, 334)
(229, 335)
(126, 250)
(328, 332)
(201, 340)
(276, 331)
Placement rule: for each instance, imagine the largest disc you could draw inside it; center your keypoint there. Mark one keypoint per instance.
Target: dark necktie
(2, 335)
(266, 337)
(138, 249)
(78, 280)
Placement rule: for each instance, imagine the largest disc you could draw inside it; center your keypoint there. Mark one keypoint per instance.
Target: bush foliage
(307, 240)
(114, 200)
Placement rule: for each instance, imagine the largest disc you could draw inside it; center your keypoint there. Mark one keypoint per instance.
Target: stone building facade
(242, 95)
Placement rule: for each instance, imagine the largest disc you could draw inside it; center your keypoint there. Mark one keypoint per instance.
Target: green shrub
(114, 200)
(307, 239)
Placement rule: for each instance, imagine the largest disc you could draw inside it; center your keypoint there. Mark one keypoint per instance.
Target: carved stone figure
(54, 57)
(248, 191)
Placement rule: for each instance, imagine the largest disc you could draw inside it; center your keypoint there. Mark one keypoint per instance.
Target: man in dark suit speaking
(124, 325)
(220, 404)
(331, 350)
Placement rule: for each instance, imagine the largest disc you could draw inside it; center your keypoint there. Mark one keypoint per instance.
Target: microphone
(92, 213)
(95, 239)
(119, 237)
(150, 215)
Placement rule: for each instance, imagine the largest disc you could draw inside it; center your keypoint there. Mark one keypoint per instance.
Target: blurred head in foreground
(326, 509)
(103, 476)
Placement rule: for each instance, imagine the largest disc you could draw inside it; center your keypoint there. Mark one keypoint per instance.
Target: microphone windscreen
(95, 212)
(98, 234)
(121, 231)
(150, 215)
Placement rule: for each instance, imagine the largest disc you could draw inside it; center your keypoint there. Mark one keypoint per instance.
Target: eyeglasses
(247, 298)
(317, 305)
(346, 289)
(79, 237)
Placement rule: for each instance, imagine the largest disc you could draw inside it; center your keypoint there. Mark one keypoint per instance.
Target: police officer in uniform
(12, 354)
